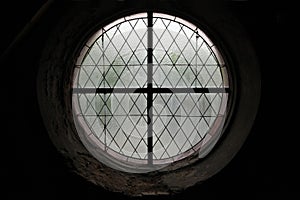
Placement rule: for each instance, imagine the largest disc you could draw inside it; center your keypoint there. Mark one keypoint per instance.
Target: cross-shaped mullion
(150, 91)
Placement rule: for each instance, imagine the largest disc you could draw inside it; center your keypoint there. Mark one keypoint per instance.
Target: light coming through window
(148, 90)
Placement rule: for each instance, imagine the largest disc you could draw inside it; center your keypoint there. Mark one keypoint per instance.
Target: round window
(143, 101)
(149, 90)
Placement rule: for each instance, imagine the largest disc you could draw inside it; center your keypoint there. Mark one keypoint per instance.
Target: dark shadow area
(31, 167)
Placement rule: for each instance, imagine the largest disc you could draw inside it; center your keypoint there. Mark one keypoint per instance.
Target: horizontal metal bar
(145, 65)
(149, 90)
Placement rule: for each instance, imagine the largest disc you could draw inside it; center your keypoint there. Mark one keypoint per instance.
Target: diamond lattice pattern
(118, 58)
(181, 59)
(118, 120)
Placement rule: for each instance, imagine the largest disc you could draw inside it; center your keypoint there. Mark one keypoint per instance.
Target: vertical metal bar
(104, 95)
(149, 87)
(197, 39)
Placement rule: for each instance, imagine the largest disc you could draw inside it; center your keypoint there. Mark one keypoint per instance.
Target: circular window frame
(193, 156)
(54, 90)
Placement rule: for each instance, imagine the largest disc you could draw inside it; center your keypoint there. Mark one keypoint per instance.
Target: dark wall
(31, 166)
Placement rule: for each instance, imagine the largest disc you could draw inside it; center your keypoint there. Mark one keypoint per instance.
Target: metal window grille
(150, 89)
